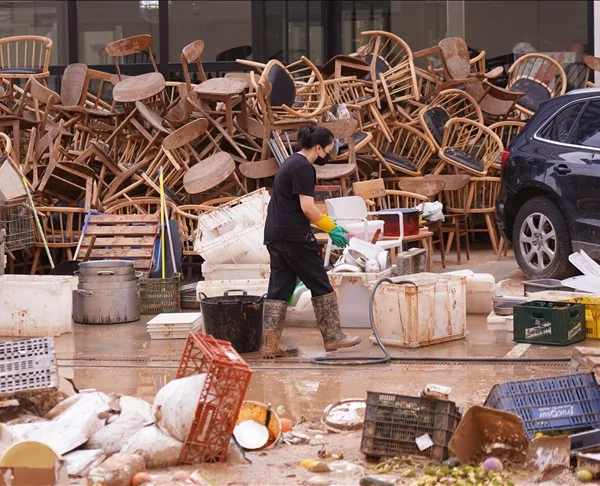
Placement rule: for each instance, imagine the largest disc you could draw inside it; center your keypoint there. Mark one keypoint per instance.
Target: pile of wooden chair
(401, 116)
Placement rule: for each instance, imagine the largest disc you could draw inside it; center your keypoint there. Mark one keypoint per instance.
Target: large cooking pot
(234, 318)
(106, 302)
(117, 267)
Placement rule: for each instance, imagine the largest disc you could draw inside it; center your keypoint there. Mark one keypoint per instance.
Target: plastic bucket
(234, 318)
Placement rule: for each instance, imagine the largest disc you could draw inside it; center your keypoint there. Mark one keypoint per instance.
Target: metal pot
(106, 303)
(107, 276)
(117, 267)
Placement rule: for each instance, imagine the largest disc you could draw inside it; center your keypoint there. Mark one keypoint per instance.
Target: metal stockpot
(106, 302)
(117, 267)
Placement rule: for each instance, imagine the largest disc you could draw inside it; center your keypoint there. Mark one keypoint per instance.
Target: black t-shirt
(285, 220)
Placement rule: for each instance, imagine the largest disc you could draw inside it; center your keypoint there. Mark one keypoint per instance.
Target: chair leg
(449, 242)
(467, 243)
(443, 253)
(491, 231)
(457, 231)
(36, 259)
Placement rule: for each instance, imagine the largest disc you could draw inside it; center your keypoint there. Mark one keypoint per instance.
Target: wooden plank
(125, 218)
(119, 241)
(121, 230)
(121, 253)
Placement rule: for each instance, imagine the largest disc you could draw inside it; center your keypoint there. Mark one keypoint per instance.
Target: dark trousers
(292, 260)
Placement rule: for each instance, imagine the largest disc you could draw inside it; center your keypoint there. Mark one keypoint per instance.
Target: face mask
(321, 161)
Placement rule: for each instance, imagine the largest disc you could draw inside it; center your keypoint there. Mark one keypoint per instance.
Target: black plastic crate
(570, 402)
(393, 422)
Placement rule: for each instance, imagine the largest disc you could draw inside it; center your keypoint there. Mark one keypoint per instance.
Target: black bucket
(234, 318)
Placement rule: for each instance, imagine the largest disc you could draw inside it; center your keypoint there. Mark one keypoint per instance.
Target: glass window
(222, 26)
(419, 24)
(559, 128)
(101, 23)
(47, 19)
(362, 16)
(294, 29)
(502, 28)
(588, 127)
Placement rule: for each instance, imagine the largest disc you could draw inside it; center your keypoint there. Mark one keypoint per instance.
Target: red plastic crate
(227, 378)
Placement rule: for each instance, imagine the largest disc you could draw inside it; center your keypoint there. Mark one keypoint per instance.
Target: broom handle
(170, 237)
(37, 222)
(162, 223)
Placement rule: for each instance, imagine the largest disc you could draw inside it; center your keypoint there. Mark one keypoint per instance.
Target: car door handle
(562, 169)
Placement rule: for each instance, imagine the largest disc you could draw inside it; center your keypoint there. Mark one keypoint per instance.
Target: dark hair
(308, 137)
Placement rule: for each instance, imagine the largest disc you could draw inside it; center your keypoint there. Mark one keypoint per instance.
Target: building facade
(286, 29)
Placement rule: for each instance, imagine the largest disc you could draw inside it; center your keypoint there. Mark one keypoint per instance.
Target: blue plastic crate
(546, 404)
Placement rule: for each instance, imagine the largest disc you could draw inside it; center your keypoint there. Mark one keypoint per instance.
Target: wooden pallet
(123, 237)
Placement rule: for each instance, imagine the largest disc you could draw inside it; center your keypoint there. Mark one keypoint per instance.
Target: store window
(225, 28)
(46, 19)
(508, 27)
(419, 24)
(294, 29)
(101, 23)
(358, 17)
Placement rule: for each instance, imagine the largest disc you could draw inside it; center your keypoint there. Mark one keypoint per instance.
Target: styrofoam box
(226, 271)
(173, 325)
(36, 305)
(480, 291)
(354, 293)
(429, 312)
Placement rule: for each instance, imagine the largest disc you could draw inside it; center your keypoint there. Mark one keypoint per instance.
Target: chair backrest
(73, 85)
(542, 69)
(348, 208)
(192, 53)
(186, 134)
(455, 55)
(434, 122)
(420, 185)
(341, 128)
(129, 46)
(283, 88)
(26, 51)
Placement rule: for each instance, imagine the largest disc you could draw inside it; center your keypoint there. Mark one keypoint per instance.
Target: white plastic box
(173, 325)
(431, 311)
(36, 305)
(354, 292)
(241, 271)
(480, 291)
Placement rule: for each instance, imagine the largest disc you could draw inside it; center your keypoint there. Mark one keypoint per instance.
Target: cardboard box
(29, 476)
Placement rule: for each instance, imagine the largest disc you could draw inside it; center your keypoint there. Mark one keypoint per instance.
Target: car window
(559, 128)
(588, 127)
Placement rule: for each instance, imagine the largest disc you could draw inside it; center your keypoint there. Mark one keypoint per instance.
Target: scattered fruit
(286, 425)
(493, 464)
(141, 478)
(584, 476)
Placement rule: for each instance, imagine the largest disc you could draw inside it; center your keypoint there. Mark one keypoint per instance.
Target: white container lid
(189, 318)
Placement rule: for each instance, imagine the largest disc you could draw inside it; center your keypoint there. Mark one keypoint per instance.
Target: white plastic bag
(432, 211)
(175, 405)
(157, 448)
(135, 415)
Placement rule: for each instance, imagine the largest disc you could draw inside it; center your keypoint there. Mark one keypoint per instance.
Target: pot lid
(251, 435)
(104, 264)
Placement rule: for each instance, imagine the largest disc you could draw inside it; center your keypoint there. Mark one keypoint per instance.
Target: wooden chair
(483, 193)
(454, 199)
(391, 67)
(141, 205)
(506, 131)
(538, 76)
(468, 146)
(62, 227)
(447, 104)
(187, 220)
(377, 197)
(25, 56)
(130, 46)
(407, 154)
(190, 54)
(593, 64)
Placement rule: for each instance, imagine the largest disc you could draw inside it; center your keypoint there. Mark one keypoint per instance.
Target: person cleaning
(293, 247)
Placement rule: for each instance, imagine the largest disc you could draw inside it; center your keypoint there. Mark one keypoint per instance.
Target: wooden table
(138, 88)
(224, 90)
(208, 173)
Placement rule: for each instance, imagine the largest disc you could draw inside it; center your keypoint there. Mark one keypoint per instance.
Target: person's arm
(307, 203)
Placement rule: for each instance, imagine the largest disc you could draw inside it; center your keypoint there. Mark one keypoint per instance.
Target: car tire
(534, 237)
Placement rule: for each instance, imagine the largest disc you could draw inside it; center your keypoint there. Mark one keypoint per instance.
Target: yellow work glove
(325, 224)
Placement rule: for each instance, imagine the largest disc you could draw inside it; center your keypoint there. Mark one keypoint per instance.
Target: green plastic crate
(551, 323)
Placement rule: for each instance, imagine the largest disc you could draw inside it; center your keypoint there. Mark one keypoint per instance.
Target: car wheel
(541, 240)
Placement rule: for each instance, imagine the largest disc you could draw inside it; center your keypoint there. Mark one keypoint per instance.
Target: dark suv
(549, 204)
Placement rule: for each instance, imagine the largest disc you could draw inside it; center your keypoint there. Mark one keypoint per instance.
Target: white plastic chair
(353, 209)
